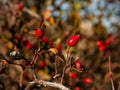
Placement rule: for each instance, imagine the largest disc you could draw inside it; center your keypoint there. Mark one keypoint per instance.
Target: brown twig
(66, 64)
(58, 5)
(110, 73)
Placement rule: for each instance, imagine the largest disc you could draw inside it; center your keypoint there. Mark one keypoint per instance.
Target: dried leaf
(46, 14)
(53, 50)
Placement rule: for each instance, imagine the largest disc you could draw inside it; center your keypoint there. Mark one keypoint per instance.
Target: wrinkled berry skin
(72, 41)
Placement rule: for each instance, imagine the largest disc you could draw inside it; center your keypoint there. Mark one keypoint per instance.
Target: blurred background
(96, 21)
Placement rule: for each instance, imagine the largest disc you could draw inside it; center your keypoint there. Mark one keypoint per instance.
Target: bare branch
(46, 83)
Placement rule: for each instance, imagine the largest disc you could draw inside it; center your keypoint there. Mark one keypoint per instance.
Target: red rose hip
(77, 64)
(28, 45)
(77, 88)
(102, 48)
(87, 80)
(42, 64)
(72, 41)
(20, 7)
(59, 48)
(99, 43)
(73, 75)
(39, 33)
(45, 39)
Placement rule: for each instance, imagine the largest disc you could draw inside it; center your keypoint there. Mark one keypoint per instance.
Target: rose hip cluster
(102, 45)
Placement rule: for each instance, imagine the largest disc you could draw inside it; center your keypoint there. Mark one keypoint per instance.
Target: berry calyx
(20, 7)
(87, 80)
(72, 41)
(39, 33)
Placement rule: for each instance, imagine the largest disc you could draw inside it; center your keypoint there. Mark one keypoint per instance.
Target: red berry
(18, 38)
(51, 44)
(20, 7)
(28, 45)
(102, 48)
(73, 75)
(39, 33)
(107, 42)
(45, 39)
(59, 48)
(42, 64)
(25, 75)
(72, 41)
(112, 39)
(77, 88)
(78, 64)
(99, 43)
(87, 80)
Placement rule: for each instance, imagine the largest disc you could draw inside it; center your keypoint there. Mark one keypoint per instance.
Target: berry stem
(41, 22)
(56, 59)
(68, 50)
(66, 64)
(63, 73)
(39, 41)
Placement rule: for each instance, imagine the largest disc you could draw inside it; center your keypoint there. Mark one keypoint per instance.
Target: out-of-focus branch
(46, 83)
(110, 73)
(30, 12)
